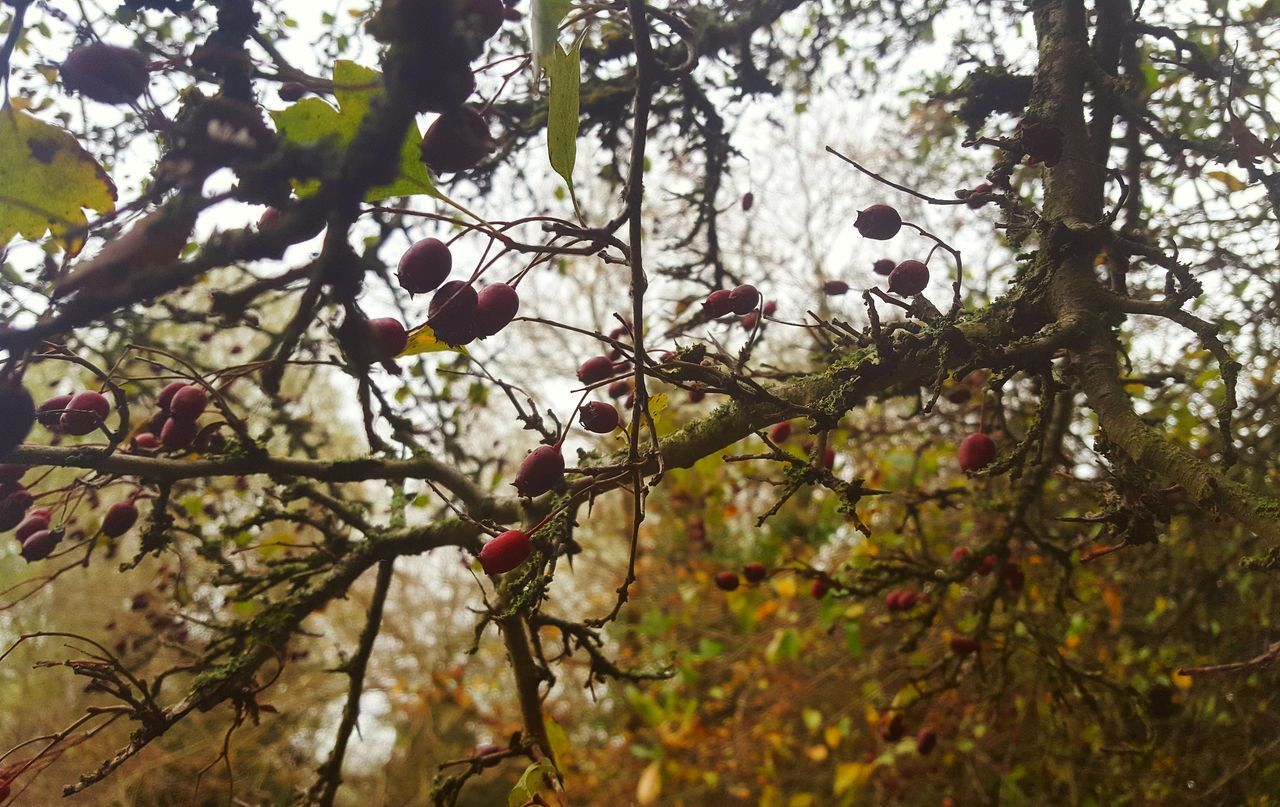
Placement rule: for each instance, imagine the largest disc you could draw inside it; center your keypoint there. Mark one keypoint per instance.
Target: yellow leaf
(852, 774)
(46, 181)
(649, 788)
(1232, 182)
(658, 404)
(832, 736)
(817, 753)
(1180, 680)
(785, 585)
(423, 340)
(559, 741)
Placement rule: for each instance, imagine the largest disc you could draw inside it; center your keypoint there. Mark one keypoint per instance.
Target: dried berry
(880, 222)
(835, 287)
(119, 518)
(976, 452)
(595, 370)
(85, 411)
(727, 581)
(979, 196)
(424, 266)
(456, 141)
(106, 73)
(748, 199)
(754, 572)
(599, 417)
(884, 266)
(505, 552)
(452, 313)
(496, 306)
(744, 299)
(908, 278)
(540, 471)
(388, 338)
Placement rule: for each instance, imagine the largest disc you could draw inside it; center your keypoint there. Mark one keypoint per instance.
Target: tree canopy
(776, 401)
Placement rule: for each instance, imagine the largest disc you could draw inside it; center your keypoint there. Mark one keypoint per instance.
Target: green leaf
(563, 71)
(559, 740)
(46, 181)
(544, 24)
(312, 121)
(530, 783)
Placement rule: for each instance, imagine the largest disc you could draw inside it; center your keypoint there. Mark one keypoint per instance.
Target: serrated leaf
(530, 783)
(423, 340)
(564, 73)
(312, 121)
(47, 179)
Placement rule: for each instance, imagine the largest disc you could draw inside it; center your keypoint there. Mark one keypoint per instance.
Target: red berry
(505, 552)
(754, 572)
(119, 518)
(166, 395)
(106, 73)
(178, 434)
(452, 313)
(541, 471)
(32, 524)
(988, 563)
(750, 321)
(619, 388)
(146, 441)
(819, 587)
(829, 458)
(976, 452)
(780, 431)
(835, 287)
(12, 473)
(456, 141)
(19, 414)
(424, 266)
(908, 278)
(188, 403)
(40, 545)
(959, 554)
(484, 15)
(595, 370)
(893, 600)
(963, 645)
(891, 727)
(388, 336)
(718, 304)
(744, 299)
(50, 413)
(84, 412)
(976, 198)
(496, 306)
(926, 740)
(770, 308)
(727, 581)
(884, 266)
(598, 417)
(879, 222)
(748, 199)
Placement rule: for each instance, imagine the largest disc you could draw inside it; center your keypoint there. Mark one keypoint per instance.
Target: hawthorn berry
(452, 313)
(878, 222)
(891, 726)
(119, 518)
(959, 554)
(748, 199)
(987, 565)
(750, 321)
(926, 740)
(770, 308)
(19, 414)
(599, 417)
(388, 336)
(963, 645)
(50, 412)
(40, 545)
(909, 278)
(754, 572)
(106, 73)
(727, 581)
(835, 288)
(291, 91)
(84, 412)
(779, 432)
(540, 471)
(496, 306)
(505, 552)
(146, 441)
(718, 304)
(30, 525)
(976, 199)
(188, 403)
(619, 388)
(13, 507)
(178, 434)
(819, 587)
(744, 299)
(424, 266)
(166, 395)
(976, 452)
(456, 141)
(884, 266)
(595, 370)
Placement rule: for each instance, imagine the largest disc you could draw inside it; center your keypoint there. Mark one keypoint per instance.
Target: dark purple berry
(40, 545)
(456, 141)
(32, 524)
(909, 278)
(496, 306)
(50, 412)
(884, 266)
(188, 403)
(754, 572)
(595, 370)
(166, 395)
(388, 336)
(178, 434)
(727, 581)
(835, 287)
(19, 414)
(744, 299)
(879, 222)
(424, 266)
(119, 518)
(599, 417)
(13, 508)
(85, 412)
(106, 73)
